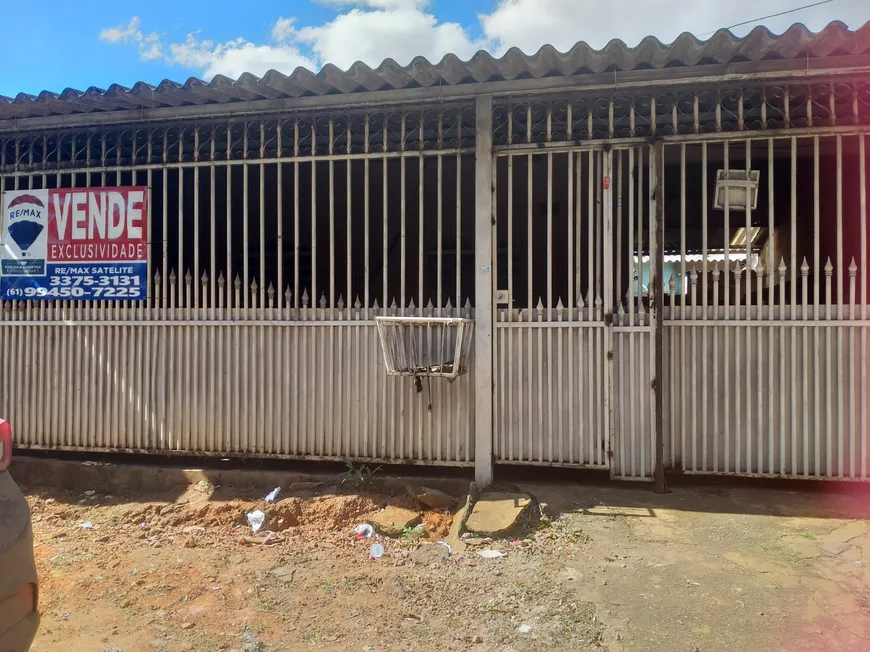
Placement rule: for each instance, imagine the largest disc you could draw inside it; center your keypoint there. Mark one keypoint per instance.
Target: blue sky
(80, 43)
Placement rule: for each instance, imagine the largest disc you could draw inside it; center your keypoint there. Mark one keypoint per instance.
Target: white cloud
(122, 33)
(210, 58)
(374, 30)
(284, 30)
(401, 32)
(150, 51)
(366, 30)
(232, 58)
(148, 44)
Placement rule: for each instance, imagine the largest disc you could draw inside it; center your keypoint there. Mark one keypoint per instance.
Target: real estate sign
(87, 244)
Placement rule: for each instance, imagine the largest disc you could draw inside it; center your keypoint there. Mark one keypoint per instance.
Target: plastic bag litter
(87, 525)
(377, 551)
(363, 531)
(272, 495)
(256, 519)
(525, 628)
(490, 554)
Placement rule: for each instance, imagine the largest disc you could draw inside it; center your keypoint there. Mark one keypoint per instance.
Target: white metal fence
(274, 245)
(765, 316)
(574, 367)
(766, 325)
(767, 397)
(277, 241)
(304, 386)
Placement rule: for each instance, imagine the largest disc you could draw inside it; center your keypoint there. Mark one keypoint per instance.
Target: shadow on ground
(722, 567)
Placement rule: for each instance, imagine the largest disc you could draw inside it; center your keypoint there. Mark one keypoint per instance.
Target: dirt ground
(612, 568)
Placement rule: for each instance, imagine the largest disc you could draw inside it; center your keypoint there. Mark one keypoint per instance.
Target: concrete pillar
(483, 293)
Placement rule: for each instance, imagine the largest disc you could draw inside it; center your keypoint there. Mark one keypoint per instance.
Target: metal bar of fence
(507, 441)
(829, 426)
(402, 232)
(262, 236)
(385, 241)
(246, 198)
(279, 220)
(816, 272)
(578, 246)
(656, 335)
(643, 199)
(458, 232)
(649, 436)
(590, 245)
(583, 377)
(853, 269)
(571, 218)
(793, 285)
(348, 239)
(366, 243)
(439, 261)
(296, 216)
(165, 230)
(590, 431)
(271, 160)
(684, 387)
(313, 264)
(420, 233)
(840, 267)
(771, 287)
(331, 298)
(804, 380)
(230, 279)
(196, 285)
(607, 340)
(530, 174)
(549, 290)
(748, 249)
(704, 300)
(618, 222)
(716, 137)
(634, 281)
(862, 202)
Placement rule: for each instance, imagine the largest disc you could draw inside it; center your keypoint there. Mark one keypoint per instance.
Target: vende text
(98, 215)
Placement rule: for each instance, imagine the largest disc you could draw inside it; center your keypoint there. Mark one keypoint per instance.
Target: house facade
(663, 248)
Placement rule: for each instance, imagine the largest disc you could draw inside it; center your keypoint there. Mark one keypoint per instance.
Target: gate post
(656, 289)
(607, 261)
(483, 290)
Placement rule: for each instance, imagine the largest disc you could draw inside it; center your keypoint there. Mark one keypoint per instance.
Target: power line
(781, 13)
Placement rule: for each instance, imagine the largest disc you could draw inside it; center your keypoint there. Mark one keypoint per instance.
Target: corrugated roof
(687, 50)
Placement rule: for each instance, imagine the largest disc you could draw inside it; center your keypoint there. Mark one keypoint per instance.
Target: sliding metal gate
(574, 324)
(766, 322)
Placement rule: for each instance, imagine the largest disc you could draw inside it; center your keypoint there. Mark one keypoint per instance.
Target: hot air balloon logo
(25, 214)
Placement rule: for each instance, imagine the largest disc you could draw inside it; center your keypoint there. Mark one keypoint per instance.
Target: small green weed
(412, 535)
(357, 475)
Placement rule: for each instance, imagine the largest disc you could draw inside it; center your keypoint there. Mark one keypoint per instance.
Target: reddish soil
(186, 573)
(613, 568)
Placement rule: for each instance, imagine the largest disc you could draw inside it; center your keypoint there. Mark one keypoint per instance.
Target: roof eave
(765, 70)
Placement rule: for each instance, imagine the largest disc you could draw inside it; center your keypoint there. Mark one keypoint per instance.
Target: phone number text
(119, 286)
